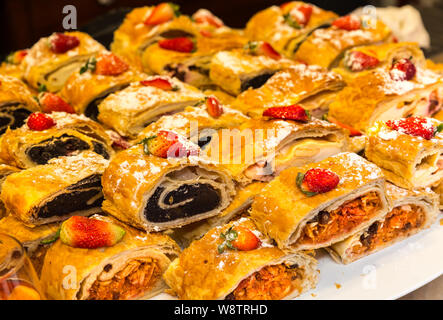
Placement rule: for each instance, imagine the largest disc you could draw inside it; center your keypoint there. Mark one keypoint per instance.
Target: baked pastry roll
(86, 90)
(312, 87)
(52, 192)
(195, 123)
(129, 111)
(130, 269)
(48, 67)
(412, 211)
(154, 193)
(326, 47)
(260, 149)
(407, 160)
(376, 96)
(16, 103)
(133, 37)
(303, 221)
(36, 240)
(285, 27)
(259, 272)
(365, 58)
(25, 148)
(5, 170)
(235, 71)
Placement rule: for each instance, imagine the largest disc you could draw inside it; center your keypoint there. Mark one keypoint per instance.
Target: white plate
(388, 274)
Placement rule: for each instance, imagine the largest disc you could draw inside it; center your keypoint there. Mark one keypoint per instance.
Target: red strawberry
(262, 48)
(316, 181)
(348, 23)
(181, 44)
(215, 110)
(352, 131)
(51, 102)
(108, 64)
(61, 43)
(359, 61)
(414, 126)
(246, 240)
(402, 69)
(160, 83)
(203, 16)
(89, 233)
(39, 121)
(162, 13)
(294, 112)
(167, 144)
(16, 57)
(302, 14)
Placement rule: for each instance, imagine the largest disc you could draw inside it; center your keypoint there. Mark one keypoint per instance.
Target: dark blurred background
(23, 22)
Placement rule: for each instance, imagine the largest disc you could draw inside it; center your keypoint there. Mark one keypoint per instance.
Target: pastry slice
(129, 111)
(55, 191)
(322, 203)
(16, 103)
(312, 87)
(5, 170)
(412, 212)
(69, 134)
(52, 60)
(237, 262)
(132, 268)
(407, 150)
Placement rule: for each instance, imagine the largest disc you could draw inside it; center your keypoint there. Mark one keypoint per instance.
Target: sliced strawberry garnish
(402, 70)
(108, 64)
(214, 107)
(39, 121)
(294, 112)
(61, 43)
(162, 13)
(16, 57)
(415, 126)
(167, 144)
(359, 61)
(316, 181)
(160, 83)
(181, 44)
(262, 48)
(89, 233)
(302, 14)
(238, 238)
(352, 131)
(50, 102)
(348, 23)
(204, 16)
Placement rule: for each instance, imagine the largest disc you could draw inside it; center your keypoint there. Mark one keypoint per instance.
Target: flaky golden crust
(41, 61)
(269, 25)
(201, 272)
(13, 91)
(290, 86)
(438, 189)
(423, 199)
(324, 47)
(14, 143)
(132, 177)
(404, 158)
(23, 192)
(83, 266)
(5, 170)
(282, 210)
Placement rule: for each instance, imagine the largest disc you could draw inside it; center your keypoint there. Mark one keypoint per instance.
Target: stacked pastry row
(231, 119)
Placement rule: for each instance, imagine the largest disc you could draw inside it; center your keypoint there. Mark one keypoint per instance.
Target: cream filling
(427, 171)
(57, 79)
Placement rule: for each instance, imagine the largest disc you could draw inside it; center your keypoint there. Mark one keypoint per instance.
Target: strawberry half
(180, 44)
(238, 238)
(359, 61)
(16, 57)
(89, 233)
(316, 181)
(302, 14)
(167, 144)
(160, 83)
(402, 70)
(162, 13)
(214, 108)
(262, 48)
(204, 16)
(415, 126)
(294, 112)
(348, 23)
(51, 102)
(61, 43)
(108, 64)
(38, 121)
(352, 131)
